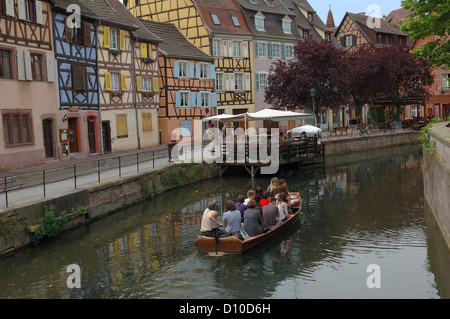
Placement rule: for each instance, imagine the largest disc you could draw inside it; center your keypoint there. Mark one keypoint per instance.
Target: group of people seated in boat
(254, 215)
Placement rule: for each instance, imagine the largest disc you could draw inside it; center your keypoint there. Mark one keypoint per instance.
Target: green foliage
(8, 228)
(424, 136)
(49, 224)
(429, 18)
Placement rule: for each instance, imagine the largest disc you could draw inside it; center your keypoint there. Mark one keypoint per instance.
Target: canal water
(357, 212)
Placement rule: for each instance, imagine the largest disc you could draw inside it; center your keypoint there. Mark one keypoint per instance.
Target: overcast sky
(340, 7)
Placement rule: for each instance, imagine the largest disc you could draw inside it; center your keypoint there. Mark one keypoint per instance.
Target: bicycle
(389, 126)
(365, 129)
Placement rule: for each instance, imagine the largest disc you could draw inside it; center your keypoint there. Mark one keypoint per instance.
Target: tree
(318, 65)
(429, 18)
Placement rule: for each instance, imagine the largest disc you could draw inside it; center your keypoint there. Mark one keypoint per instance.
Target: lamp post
(313, 95)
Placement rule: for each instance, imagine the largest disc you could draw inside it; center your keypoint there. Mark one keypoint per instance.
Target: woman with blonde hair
(273, 187)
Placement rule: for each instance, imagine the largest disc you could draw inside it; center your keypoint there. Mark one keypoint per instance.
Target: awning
(265, 114)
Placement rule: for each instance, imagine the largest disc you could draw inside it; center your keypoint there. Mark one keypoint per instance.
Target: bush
(49, 224)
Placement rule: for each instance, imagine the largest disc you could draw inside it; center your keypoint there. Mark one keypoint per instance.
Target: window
(262, 77)
(286, 26)
(29, 10)
(5, 64)
(2, 6)
(259, 23)
(445, 82)
(78, 78)
(414, 112)
(215, 18)
(183, 70)
(146, 85)
(115, 82)
(262, 49)
(147, 121)
(113, 39)
(219, 82)
(36, 67)
(122, 129)
(269, 3)
(310, 16)
(204, 71)
(205, 99)
(17, 128)
(327, 37)
(289, 51)
(349, 40)
(276, 50)
(238, 82)
(237, 49)
(305, 35)
(217, 47)
(235, 20)
(80, 35)
(184, 99)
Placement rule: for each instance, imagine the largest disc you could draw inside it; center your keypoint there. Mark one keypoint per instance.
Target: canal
(361, 211)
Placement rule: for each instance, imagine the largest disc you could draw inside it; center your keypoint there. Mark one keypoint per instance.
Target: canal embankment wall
(19, 222)
(437, 175)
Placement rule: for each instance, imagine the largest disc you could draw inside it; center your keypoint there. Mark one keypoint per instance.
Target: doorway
(106, 135)
(48, 138)
(91, 134)
(73, 135)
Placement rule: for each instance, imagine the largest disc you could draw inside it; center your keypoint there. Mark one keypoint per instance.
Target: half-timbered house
(75, 42)
(186, 83)
(128, 78)
(28, 102)
(219, 29)
(275, 36)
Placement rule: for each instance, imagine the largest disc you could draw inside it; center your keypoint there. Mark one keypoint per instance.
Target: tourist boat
(234, 245)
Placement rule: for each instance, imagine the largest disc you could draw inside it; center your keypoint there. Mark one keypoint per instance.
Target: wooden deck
(299, 153)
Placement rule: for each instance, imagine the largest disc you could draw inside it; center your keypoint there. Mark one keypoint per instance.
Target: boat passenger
(231, 218)
(264, 199)
(259, 191)
(271, 213)
(250, 195)
(258, 204)
(253, 221)
(273, 186)
(282, 206)
(295, 200)
(209, 220)
(240, 206)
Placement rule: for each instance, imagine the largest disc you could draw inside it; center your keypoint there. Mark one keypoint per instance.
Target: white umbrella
(308, 129)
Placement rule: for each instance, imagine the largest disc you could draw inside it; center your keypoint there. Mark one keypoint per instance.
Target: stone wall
(437, 176)
(18, 223)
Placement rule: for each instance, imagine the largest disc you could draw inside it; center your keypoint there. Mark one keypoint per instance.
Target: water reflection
(354, 214)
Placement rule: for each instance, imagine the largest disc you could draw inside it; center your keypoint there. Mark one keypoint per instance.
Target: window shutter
(123, 81)
(343, 41)
(283, 51)
(353, 40)
(257, 82)
(107, 81)
(27, 63)
(199, 99)
(212, 71)
(38, 11)
(78, 77)
(155, 82)
(50, 63)
(256, 48)
(192, 94)
(232, 85)
(122, 40)
(21, 9)
(139, 83)
(269, 50)
(214, 99)
(245, 49)
(191, 70)
(230, 48)
(177, 99)
(87, 33)
(247, 84)
(144, 50)
(176, 69)
(20, 66)
(106, 37)
(197, 70)
(150, 51)
(225, 48)
(68, 31)
(122, 126)
(10, 8)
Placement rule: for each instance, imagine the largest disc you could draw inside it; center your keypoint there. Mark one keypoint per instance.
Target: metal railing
(41, 183)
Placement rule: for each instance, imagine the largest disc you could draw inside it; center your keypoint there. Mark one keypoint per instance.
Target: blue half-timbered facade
(77, 79)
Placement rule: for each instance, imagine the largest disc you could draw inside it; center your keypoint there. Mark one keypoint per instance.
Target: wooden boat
(234, 245)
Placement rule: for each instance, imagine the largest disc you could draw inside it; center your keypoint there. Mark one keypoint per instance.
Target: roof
(262, 6)
(142, 33)
(224, 9)
(175, 43)
(397, 16)
(384, 27)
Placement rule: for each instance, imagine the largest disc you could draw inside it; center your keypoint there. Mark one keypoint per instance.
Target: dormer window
(286, 23)
(259, 22)
(215, 18)
(253, 1)
(269, 3)
(235, 20)
(310, 16)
